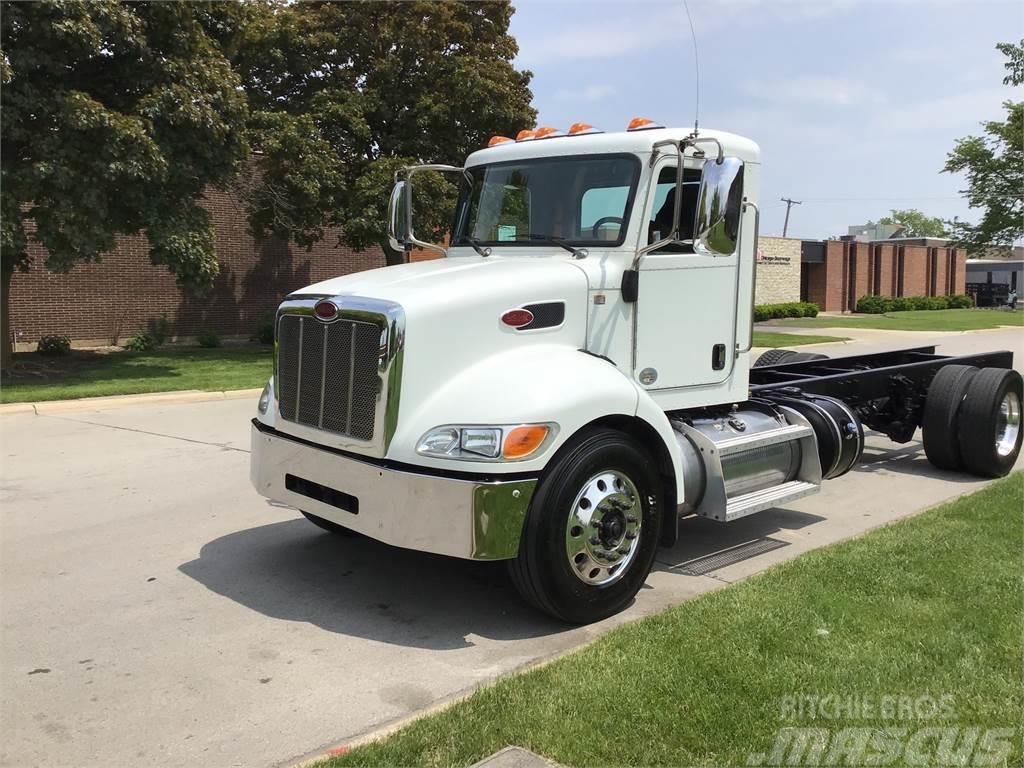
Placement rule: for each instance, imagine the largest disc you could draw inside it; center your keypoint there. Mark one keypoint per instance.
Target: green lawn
(928, 609)
(770, 339)
(90, 374)
(924, 320)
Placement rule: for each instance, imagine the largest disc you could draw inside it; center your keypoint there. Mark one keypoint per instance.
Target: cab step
(749, 503)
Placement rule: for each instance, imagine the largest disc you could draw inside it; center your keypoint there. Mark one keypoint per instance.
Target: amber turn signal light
(522, 441)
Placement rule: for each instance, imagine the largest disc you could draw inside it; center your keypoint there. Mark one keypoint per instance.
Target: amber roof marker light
(642, 124)
(582, 129)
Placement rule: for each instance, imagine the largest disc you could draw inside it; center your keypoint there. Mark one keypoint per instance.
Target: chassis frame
(887, 389)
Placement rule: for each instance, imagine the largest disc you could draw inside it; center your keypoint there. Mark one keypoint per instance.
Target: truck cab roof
(634, 142)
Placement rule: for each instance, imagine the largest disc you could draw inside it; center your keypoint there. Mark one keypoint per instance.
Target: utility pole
(789, 204)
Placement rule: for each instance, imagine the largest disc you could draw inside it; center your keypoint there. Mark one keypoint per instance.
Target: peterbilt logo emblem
(325, 310)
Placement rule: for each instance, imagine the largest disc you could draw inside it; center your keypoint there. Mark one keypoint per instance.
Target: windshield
(581, 200)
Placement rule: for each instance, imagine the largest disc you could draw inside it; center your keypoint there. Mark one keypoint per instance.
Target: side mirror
(398, 216)
(719, 206)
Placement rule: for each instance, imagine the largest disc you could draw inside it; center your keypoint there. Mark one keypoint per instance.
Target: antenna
(696, 69)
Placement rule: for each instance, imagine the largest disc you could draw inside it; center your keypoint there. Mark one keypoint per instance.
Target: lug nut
(630, 518)
(630, 535)
(595, 541)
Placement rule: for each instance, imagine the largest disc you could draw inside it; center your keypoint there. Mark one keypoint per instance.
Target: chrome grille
(328, 374)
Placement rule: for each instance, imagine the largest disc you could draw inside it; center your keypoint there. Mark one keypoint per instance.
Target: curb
(45, 407)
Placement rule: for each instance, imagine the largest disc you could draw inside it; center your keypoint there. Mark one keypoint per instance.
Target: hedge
(789, 309)
(877, 305)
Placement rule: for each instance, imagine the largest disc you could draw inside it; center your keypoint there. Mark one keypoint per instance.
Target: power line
(789, 204)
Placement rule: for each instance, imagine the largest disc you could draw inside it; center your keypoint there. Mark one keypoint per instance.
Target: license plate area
(322, 493)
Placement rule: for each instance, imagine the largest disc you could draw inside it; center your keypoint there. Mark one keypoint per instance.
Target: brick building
(112, 299)
(108, 301)
(835, 273)
(778, 270)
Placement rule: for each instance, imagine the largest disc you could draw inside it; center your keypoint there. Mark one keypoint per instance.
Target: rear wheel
(990, 422)
(774, 357)
(327, 525)
(592, 529)
(941, 417)
(806, 357)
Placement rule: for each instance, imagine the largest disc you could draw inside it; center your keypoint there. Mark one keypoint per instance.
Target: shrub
(208, 339)
(265, 328)
(54, 345)
(764, 312)
(874, 305)
(140, 342)
(159, 329)
(960, 301)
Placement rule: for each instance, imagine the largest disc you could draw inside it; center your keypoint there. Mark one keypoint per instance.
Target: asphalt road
(156, 611)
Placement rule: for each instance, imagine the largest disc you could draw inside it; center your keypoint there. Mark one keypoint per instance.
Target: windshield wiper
(578, 253)
(474, 243)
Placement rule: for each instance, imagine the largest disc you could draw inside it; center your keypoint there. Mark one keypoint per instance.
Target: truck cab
(567, 382)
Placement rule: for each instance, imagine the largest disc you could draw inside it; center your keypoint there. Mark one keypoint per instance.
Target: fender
(540, 383)
(536, 384)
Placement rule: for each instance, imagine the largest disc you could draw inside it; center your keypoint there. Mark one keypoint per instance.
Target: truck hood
(427, 285)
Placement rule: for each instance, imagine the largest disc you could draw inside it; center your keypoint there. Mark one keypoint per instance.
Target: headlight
(512, 442)
(264, 403)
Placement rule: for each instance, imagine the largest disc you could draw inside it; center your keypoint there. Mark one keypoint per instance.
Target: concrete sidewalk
(157, 611)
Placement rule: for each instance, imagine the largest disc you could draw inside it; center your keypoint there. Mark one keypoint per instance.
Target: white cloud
(588, 94)
(654, 23)
(820, 90)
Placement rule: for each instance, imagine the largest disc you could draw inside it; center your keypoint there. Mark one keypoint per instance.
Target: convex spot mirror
(398, 216)
(719, 206)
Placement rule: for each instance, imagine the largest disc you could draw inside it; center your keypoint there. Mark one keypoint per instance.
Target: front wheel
(592, 529)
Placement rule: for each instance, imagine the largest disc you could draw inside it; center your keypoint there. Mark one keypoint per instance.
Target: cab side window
(660, 223)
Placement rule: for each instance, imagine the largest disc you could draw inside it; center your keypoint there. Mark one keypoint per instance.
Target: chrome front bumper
(474, 519)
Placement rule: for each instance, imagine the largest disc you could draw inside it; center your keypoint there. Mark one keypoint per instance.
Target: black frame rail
(861, 379)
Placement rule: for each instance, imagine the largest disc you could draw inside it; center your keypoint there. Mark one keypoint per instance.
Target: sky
(854, 103)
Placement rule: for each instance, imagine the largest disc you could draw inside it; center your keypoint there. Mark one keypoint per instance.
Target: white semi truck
(576, 375)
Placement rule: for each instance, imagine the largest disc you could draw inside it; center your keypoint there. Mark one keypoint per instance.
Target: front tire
(592, 529)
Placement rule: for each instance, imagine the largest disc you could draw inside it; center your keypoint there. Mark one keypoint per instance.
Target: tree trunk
(391, 256)
(6, 346)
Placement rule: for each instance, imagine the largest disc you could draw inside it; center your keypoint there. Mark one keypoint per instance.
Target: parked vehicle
(577, 374)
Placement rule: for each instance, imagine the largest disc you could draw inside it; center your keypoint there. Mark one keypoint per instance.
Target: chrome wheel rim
(602, 534)
(1008, 424)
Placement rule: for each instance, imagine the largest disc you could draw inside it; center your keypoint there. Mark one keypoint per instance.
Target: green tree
(994, 167)
(916, 223)
(114, 118)
(344, 94)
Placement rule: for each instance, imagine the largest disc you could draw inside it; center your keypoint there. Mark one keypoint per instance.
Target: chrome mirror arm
(409, 171)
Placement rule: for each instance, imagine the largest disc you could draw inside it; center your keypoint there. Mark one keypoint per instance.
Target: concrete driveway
(156, 611)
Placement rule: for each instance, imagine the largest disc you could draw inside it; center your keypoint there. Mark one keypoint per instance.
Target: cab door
(685, 313)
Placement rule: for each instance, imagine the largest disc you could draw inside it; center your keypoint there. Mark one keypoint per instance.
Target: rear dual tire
(972, 420)
(785, 356)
